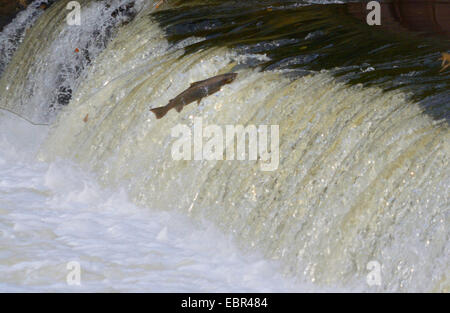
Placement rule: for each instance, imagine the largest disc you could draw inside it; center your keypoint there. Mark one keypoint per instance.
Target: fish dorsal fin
(196, 83)
(200, 82)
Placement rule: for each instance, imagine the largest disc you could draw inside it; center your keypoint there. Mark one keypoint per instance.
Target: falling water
(362, 175)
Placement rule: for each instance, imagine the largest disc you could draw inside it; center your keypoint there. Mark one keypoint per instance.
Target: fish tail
(160, 112)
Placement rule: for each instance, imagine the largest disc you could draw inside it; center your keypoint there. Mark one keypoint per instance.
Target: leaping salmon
(196, 92)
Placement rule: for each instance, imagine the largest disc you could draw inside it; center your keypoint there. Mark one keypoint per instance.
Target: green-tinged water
(334, 37)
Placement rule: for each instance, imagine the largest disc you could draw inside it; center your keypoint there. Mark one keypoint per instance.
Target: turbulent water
(53, 214)
(363, 137)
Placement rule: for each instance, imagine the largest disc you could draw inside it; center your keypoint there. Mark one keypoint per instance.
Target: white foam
(52, 214)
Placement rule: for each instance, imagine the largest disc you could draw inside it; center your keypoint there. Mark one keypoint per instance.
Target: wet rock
(427, 17)
(125, 10)
(10, 8)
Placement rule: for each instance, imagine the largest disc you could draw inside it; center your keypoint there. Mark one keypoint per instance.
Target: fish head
(229, 77)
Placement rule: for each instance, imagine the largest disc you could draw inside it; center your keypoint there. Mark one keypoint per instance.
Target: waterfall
(363, 171)
(55, 55)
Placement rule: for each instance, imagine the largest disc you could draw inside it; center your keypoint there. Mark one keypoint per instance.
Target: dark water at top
(401, 53)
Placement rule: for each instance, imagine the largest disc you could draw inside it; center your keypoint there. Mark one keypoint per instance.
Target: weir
(363, 169)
